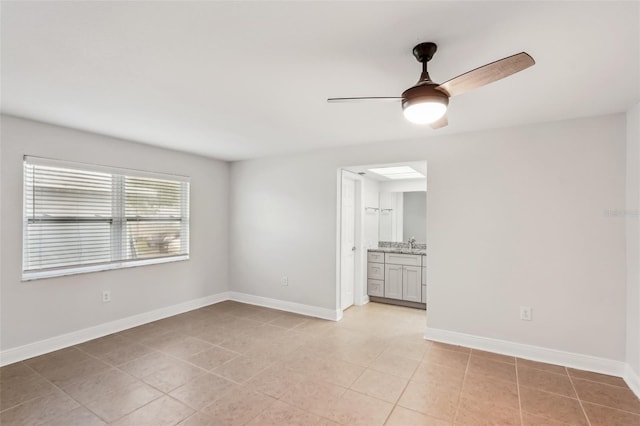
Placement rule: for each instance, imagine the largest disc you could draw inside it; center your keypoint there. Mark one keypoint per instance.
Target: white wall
(370, 226)
(633, 238)
(516, 217)
(36, 310)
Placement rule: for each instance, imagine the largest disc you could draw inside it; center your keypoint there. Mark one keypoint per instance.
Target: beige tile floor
(236, 364)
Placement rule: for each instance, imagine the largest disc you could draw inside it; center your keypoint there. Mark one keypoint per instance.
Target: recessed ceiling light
(392, 170)
(397, 172)
(414, 175)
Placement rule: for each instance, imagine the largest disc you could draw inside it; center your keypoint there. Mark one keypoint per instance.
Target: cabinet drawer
(375, 288)
(403, 259)
(424, 275)
(375, 256)
(424, 294)
(375, 271)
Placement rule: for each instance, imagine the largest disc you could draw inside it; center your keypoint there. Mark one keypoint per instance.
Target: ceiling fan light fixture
(424, 104)
(424, 112)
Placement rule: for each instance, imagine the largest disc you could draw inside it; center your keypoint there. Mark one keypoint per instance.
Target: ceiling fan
(426, 102)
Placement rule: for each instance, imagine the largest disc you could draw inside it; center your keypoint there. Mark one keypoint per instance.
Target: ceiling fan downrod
(423, 53)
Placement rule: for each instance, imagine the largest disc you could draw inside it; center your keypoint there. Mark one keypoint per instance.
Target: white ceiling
(237, 80)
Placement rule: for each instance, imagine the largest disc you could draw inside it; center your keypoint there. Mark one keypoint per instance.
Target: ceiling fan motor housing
(422, 93)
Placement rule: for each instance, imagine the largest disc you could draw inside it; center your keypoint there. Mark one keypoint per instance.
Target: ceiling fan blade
(487, 74)
(371, 98)
(440, 123)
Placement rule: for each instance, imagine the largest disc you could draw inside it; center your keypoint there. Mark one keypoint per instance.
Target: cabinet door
(411, 283)
(393, 281)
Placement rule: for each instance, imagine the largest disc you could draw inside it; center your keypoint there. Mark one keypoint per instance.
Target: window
(81, 218)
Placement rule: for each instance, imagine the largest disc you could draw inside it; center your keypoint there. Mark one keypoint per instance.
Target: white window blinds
(80, 218)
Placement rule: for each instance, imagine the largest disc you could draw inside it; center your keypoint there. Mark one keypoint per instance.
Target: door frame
(359, 297)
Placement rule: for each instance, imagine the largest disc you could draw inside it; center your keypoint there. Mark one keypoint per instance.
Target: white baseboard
(534, 353)
(364, 301)
(9, 356)
(283, 305)
(633, 379)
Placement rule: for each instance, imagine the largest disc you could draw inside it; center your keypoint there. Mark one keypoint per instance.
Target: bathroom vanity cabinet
(396, 277)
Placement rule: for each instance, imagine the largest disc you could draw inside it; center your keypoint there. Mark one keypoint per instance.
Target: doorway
(381, 229)
(350, 245)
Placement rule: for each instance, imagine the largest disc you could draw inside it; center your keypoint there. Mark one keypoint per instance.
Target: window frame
(118, 220)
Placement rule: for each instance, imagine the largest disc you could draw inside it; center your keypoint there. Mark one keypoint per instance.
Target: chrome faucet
(412, 242)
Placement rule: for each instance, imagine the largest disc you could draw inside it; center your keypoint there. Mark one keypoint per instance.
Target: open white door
(347, 242)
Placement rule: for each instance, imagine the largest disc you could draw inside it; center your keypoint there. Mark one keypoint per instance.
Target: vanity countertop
(422, 252)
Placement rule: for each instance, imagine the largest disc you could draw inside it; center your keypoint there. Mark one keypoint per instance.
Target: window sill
(30, 276)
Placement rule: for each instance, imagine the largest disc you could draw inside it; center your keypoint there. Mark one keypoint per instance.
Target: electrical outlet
(106, 296)
(525, 313)
(285, 281)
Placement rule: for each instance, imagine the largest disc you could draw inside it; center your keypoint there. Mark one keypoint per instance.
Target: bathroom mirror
(402, 215)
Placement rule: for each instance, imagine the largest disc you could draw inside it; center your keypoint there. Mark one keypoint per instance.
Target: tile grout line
(464, 378)
(140, 380)
(180, 360)
(80, 404)
(549, 392)
(616, 409)
(519, 398)
(578, 397)
(601, 383)
(405, 386)
(348, 388)
(37, 397)
(142, 406)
